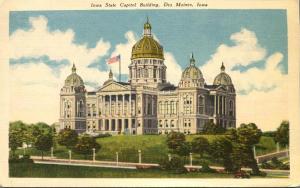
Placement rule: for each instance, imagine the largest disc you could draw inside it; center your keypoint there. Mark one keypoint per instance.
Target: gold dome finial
(222, 67)
(192, 60)
(73, 68)
(147, 28)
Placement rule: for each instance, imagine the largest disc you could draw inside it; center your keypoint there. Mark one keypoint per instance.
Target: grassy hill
(153, 148)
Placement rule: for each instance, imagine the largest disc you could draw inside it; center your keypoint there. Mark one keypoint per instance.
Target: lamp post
(170, 157)
(51, 152)
(117, 158)
(70, 155)
(254, 153)
(94, 154)
(140, 156)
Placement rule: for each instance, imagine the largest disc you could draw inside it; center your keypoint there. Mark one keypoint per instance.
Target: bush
(176, 165)
(276, 162)
(24, 159)
(206, 168)
(266, 165)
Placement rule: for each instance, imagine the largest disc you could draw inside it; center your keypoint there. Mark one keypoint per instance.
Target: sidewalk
(96, 163)
(127, 165)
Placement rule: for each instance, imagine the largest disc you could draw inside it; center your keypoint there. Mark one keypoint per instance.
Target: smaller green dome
(74, 79)
(223, 78)
(192, 72)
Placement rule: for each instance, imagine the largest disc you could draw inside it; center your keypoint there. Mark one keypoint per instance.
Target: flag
(114, 59)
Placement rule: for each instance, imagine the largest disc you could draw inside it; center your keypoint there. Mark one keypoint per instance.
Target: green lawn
(153, 147)
(60, 171)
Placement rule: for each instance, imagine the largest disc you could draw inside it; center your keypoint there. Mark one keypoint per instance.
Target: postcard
(157, 93)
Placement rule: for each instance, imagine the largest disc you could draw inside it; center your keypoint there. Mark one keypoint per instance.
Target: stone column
(109, 124)
(191, 159)
(110, 105)
(129, 125)
(123, 126)
(123, 101)
(103, 105)
(218, 101)
(130, 104)
(117, 105)
(215, 105)
(152, 103)
(225, 105)
(169, 157)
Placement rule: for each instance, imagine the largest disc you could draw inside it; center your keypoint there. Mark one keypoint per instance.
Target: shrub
(176, 165)
(206, 168)
(276, 162)
(24, 159)
(266, 165)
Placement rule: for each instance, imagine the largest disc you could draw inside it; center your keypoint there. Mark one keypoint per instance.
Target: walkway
(269, 156)
(129, 165)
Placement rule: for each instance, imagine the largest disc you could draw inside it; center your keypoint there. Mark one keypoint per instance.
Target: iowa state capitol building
(147, 103)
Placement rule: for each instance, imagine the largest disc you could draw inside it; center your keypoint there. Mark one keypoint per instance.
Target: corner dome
(74, 79)
(147, 47)
(223, 78)
(192, 72)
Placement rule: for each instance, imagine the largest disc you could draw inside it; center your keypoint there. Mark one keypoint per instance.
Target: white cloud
(265, 87)
(34, 87)
(173, 69)
(57, 45)
(34, 93)
(124, 49)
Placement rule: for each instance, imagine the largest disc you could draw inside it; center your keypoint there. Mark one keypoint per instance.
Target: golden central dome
(147, 47)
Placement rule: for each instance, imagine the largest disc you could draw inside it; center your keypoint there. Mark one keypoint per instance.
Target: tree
(44, 143)
(85, 145)
(183, 150)
(212, 128)
(15, 140)
(282, 133)
(200, 145)
(247, 135)
(175, 165)
(175, 140)
(68, 138)
(17, 135)
(221, 150)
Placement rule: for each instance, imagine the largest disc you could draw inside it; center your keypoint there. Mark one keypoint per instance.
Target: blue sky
(251, 43)
(180, 32)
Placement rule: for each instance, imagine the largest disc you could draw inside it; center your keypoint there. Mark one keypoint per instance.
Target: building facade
(147, 103)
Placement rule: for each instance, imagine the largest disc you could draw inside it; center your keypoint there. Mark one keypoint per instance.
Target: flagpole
(120, 68)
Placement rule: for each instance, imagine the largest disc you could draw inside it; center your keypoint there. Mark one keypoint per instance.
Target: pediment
(114, 86)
